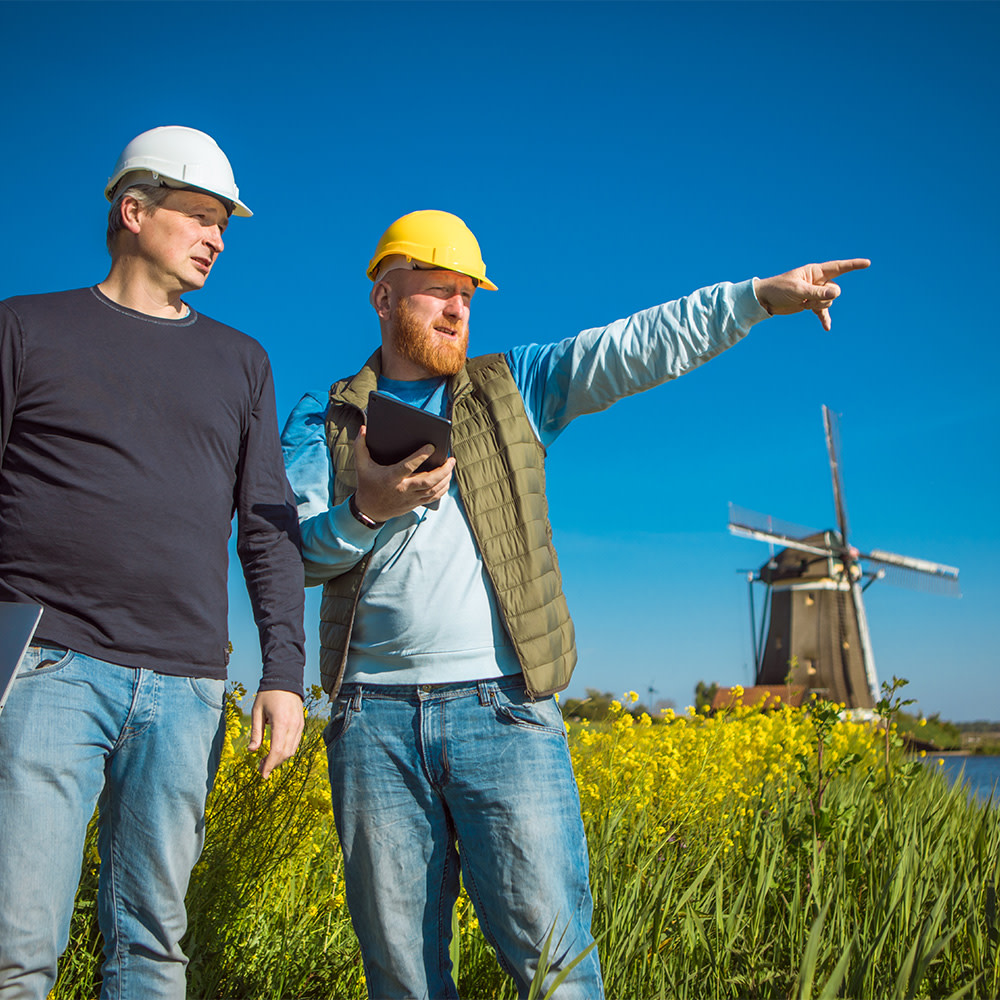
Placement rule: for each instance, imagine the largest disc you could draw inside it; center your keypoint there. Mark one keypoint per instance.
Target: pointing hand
(809, 287)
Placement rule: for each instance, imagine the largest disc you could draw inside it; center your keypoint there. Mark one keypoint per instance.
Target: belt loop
(485, 692)
(356, 701)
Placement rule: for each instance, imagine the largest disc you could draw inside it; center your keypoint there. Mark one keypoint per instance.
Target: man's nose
(214, 240)
(455, 306)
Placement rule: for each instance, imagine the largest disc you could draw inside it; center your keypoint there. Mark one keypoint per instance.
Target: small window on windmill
(811, 668)
(810, 600)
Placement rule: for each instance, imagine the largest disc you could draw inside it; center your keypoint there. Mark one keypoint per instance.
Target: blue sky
(608, 157)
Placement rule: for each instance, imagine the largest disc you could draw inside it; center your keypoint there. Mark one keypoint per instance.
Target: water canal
(980, 773)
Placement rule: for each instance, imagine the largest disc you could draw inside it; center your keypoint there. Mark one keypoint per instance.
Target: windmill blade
(749, 524)
(753, 521)
(831, 426)
(919, 574)
(782, 541)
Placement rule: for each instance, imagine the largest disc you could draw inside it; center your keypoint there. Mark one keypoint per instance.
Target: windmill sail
(920, 574)
(831, 427)
(749, 524)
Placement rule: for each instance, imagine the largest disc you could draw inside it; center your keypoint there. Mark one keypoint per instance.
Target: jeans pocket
(340, 718)
(209, 689)
(41, 660)
(516, 708)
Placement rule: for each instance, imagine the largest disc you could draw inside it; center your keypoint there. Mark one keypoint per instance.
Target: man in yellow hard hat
(444, 630)
(132, 428)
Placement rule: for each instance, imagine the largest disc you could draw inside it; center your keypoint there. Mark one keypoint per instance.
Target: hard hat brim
(158, 180)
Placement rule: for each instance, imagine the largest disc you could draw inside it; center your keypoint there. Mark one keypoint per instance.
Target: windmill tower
(817, 629)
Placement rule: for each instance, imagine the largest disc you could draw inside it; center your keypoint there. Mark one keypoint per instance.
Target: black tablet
(396, 430)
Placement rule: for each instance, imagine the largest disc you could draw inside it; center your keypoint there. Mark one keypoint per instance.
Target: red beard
(415, 342)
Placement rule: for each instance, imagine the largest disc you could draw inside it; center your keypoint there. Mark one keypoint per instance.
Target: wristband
(368, 522)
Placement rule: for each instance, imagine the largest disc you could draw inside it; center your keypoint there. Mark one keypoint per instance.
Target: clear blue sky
(608, 157)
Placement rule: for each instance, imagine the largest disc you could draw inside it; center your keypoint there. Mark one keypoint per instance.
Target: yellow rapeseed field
(730, 857)
(701, 775)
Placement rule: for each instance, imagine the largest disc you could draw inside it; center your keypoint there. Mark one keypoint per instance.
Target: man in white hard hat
(444, 631)
(132, 428)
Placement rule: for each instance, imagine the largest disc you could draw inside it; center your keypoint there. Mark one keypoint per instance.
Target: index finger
(834, 268)
(413, 462)
(284, 742)
(432, 477)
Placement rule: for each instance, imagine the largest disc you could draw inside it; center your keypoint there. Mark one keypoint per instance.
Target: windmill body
(817, 629)
(813, 638)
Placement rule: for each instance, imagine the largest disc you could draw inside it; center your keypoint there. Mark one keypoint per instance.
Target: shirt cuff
(350, 529)
(755, 312)
(282, 683)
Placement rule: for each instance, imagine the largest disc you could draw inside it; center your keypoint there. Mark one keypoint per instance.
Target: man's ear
(381, 299)
(131, 214)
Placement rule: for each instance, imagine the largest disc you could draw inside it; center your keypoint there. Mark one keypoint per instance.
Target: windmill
(817, 629)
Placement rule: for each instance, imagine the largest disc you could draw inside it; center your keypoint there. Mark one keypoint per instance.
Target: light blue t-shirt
(427, 613)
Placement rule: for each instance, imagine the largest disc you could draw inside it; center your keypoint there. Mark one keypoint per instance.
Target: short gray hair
(149, 196)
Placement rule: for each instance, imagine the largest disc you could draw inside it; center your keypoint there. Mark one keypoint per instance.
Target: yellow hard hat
(437, 238)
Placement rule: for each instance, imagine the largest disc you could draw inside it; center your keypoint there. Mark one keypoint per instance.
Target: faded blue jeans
(78, 732)
(427, 780)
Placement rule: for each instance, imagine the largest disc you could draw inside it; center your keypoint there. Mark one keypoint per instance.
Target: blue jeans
(429, 779)
(78, 732)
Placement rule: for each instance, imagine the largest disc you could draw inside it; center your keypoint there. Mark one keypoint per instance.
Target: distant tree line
(596, 706)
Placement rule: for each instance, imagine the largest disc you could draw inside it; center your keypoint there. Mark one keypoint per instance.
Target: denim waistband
(418, 692)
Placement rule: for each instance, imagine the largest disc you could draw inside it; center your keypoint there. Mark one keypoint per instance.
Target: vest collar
(354, 391)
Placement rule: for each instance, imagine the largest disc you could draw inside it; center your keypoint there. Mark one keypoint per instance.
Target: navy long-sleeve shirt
(127, 443)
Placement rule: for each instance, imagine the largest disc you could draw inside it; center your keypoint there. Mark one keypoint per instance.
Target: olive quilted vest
(500, 471)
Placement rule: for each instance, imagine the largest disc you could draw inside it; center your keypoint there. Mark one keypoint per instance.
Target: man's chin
(446, 365)
(444, 359)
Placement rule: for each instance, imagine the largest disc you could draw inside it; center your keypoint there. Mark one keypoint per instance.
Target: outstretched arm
(587, 373)
(809, 287)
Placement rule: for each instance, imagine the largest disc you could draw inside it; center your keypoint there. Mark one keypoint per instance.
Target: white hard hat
(178, 156)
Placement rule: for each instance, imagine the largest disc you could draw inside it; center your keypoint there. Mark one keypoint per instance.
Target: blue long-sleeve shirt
(427, 611)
